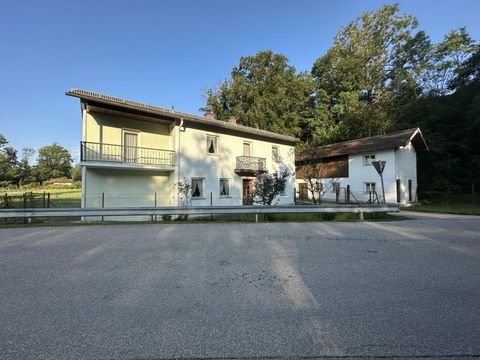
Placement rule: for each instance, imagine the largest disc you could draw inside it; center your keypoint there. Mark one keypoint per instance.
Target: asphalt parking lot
(291, 290)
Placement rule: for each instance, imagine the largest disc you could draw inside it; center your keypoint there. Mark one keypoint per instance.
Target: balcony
(250, 165)
(121, 156)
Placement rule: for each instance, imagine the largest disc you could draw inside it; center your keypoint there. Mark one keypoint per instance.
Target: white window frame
(202, 188)
(334, 186)
(122, 142)
(227, 195)
(214, 138)
(250, 145)
(367, 186)
(368, 158)
(275, 157)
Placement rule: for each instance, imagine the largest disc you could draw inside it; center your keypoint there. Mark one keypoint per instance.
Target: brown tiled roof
(164, 112)
(368, 144)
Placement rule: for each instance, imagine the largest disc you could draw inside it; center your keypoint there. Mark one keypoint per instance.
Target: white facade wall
(406, 170)
(400, 164)
(194, 161)
(127, 184)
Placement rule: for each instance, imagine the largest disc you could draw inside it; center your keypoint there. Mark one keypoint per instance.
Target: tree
(264, 92)
(76, 173)
(25, 169)
(8, 163)
(447, 59)
(54, 161)
(269, 186)
(358, 71)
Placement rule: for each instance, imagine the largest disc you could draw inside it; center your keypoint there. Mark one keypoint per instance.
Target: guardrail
(195, 210)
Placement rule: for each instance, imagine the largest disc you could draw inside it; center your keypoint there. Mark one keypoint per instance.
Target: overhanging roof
(368, 144)
(156, 111)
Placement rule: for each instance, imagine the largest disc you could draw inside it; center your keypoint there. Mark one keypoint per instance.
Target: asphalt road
(313, 290)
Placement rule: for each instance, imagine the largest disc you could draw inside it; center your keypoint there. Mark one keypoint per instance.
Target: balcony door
(130, 143)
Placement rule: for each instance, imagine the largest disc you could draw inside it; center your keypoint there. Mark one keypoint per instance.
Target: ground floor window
(197, 188)
(369, 187)
(335, 186)
(224, 187)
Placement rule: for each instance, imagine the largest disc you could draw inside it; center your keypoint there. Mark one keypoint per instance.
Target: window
(247, 149)
(275, 153)
(335, 185)
(212, 143)
(197, 188)
(367, 159)
(369, 187)
(224, 187)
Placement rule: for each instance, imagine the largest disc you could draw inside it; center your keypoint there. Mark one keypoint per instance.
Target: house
(134, 154)
(344, 171)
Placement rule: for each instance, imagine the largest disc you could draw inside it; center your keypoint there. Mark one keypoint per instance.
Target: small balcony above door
(126, 156)
(250, 165)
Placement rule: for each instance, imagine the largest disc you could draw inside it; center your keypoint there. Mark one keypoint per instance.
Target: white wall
(126, 188)
(407, 170)
(194, 161)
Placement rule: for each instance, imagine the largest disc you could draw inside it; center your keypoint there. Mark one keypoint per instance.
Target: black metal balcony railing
(250, 165)
(91, 151)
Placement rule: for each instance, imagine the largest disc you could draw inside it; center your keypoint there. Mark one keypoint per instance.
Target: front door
(303, 192)
(247, 191)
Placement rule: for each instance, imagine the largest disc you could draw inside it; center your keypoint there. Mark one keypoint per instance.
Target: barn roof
(368, 144)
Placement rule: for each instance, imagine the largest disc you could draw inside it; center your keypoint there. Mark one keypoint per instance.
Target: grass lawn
(461, 204)
(58, 197)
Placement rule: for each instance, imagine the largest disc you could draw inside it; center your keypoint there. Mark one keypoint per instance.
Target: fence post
(103, 202)
(44, 205)
(24, 200)
(337, 192)
(48, 200)
(348, 194)
(473, 198)
(155, 206)
(211, 204)
(6, 200)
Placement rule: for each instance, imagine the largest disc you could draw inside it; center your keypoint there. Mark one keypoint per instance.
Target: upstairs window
(212, 144)
(275, 154)
(247, 149)
(224, 187)
(197, 188)
(367, 159)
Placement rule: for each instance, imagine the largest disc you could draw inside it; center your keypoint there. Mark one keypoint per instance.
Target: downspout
(179, 158)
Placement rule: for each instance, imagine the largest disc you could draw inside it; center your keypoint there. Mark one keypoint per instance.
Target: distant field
(58, 197)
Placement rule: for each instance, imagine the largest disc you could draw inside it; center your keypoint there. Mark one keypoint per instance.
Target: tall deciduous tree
(265, 92)
(54, 161)
(8, 163)
(358, 71)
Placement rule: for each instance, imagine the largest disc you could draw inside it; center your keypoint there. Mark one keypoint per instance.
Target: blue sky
(164, 53)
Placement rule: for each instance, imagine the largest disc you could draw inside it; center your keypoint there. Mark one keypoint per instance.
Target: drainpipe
(178, 156)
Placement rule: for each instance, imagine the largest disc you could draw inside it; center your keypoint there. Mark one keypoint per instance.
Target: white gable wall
(400, 164)
(359, 174)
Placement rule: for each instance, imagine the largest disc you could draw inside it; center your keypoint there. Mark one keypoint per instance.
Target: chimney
(208, 115)
(232, 120)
